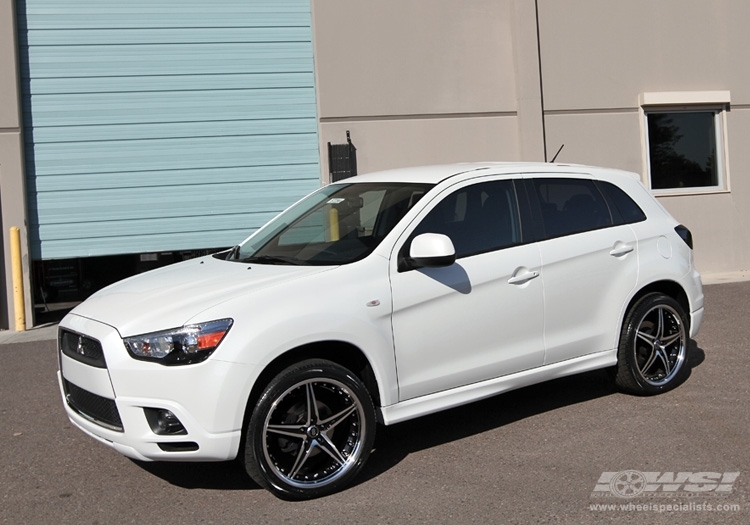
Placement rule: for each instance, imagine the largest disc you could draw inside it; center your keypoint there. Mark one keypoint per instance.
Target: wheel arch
(667, 287)
(342, 353)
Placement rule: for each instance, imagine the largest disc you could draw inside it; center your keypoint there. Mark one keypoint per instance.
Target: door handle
(621, 249)
(523, 275)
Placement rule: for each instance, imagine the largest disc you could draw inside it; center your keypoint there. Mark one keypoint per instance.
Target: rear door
(589, 266)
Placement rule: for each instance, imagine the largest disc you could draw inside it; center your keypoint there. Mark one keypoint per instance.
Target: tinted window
(627, 208)
(682, 147)
(478, 218)
(570, 206)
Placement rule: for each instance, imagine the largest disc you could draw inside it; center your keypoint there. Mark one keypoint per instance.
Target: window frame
(716, 102)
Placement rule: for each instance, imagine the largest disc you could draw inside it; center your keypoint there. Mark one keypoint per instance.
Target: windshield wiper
(271, 259)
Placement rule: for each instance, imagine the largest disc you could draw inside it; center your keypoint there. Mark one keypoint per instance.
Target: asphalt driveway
(566, 451)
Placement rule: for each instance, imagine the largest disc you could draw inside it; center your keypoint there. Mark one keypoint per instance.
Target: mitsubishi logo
(80, 349)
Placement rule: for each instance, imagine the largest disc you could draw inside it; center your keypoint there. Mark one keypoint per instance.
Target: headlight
(181, 346)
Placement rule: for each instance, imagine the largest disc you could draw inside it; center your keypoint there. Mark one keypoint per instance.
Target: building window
(685, 145)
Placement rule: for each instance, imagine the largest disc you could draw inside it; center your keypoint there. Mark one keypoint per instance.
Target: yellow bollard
(333, 224)
(15, 261)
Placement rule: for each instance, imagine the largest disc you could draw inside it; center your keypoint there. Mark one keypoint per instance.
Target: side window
(478, 218)
(628, 210)
(571, 206)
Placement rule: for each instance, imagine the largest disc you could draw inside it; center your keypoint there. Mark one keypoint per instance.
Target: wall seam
(424, 116)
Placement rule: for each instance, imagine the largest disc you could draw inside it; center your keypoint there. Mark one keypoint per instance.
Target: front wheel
(653, 346)
(311, 431)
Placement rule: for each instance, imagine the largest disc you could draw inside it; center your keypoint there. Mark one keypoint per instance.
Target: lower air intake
(100, 410)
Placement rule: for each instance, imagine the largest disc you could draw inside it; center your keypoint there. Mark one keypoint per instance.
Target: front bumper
(208, 398)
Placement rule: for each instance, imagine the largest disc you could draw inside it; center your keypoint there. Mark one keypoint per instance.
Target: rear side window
(571, 206)
(626, 207)
(478, 218)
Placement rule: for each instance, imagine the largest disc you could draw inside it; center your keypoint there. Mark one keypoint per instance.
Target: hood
(168, 297)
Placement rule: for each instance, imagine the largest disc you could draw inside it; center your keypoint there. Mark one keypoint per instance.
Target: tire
(653, 351)
(311, 431)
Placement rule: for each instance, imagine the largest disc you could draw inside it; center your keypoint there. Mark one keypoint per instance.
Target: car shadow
(696, 355)
(394, 443)
(225, 475)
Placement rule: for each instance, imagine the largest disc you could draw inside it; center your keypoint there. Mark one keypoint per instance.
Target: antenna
(556, 154)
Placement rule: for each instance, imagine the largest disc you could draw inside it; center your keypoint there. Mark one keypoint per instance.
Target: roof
(438, 173)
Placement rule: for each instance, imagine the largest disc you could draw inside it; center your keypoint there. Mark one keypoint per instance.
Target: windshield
(338, 224)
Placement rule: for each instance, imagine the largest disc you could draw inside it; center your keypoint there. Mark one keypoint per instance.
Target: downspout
(541, 82)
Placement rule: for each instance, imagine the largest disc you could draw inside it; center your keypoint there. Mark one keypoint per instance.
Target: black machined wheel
(653, 346)
(311, 431)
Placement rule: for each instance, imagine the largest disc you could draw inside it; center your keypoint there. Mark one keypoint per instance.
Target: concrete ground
(45, 332)
(535, 455)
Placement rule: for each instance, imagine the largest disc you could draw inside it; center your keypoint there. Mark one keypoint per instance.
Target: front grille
(82, 348)
(96, 408)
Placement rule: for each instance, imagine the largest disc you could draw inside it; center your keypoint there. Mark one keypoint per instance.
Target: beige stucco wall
(602, 138)
(600, 53)
(411, 57)
(424, 82)
(393, 143)
(12, 193)
(597, 56)
(421, 82)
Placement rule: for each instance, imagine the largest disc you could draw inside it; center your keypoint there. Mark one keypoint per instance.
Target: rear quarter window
(625, 206)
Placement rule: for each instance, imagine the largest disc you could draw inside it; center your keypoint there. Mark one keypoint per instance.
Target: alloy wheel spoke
(664, 359)
(669, 339)
(295, 431)
(660, 324)
(337, 418)
(647, 337)
(650, 361)
(329, 448)
(312, 405)
(302, 455)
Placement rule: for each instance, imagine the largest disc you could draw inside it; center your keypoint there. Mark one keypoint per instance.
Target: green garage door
(158, 125)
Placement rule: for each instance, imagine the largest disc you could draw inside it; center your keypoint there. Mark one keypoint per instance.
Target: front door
(480, 318)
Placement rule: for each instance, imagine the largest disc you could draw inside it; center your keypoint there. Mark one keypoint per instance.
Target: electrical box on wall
(342, 160)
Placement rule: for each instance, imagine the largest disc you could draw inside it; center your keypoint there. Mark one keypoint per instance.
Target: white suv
(383, 298)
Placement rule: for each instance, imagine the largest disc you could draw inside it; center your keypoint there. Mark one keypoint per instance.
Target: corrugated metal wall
(156, 125)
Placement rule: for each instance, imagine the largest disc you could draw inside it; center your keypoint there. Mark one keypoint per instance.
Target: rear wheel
(311, 431)
(653, 346)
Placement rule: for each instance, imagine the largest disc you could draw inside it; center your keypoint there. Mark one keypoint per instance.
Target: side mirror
(432, 250)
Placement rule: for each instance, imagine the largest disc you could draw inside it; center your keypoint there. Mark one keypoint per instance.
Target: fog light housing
(163, 422)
